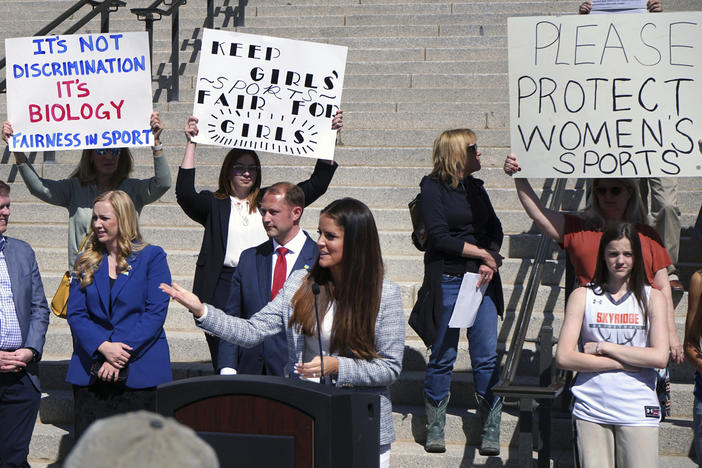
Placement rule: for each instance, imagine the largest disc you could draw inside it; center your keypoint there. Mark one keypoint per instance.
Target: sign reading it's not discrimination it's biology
(268, 94)
(79, 91)
(606, 95)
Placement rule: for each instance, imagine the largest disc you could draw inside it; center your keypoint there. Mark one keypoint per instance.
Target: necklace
(242, 209)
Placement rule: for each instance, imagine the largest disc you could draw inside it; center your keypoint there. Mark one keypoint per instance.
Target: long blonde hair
(129, 238)
(450, 155)
(634, 213)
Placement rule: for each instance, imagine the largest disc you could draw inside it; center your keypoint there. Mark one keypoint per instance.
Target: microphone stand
(315, 291)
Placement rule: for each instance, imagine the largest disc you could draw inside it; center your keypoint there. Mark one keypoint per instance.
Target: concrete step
(49, 443)
(463, 427)
(419, 8)
(412, 455)
(314, 32)
(187, 346)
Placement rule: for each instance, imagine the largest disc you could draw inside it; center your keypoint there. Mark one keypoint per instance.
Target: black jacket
(453, 217)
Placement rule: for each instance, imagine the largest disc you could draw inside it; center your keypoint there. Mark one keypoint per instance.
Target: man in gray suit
(24, 318)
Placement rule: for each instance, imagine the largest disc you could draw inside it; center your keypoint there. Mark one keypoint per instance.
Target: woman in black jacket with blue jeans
(465, 235)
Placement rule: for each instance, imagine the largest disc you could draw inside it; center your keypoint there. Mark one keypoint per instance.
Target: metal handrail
(509, 371)
(103, 8)
(239, 14)
(154, 13)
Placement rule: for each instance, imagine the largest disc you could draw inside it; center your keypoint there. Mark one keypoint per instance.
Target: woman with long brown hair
(614, 335)
(231, 219)
(362, 322)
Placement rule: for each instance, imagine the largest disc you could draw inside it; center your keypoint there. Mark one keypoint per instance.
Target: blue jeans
(482, 338)
(697, 426)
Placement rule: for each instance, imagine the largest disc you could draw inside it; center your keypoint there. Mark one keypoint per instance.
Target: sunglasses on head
(472, 148)
(239, 169)
(615, 190)
(104, 151)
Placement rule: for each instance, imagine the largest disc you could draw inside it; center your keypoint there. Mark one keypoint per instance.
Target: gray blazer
(374, 376)
(29, 298)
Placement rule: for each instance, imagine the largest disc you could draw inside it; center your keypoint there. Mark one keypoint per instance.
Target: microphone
(315, 291)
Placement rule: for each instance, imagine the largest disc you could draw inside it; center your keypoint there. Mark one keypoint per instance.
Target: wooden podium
(274, 422)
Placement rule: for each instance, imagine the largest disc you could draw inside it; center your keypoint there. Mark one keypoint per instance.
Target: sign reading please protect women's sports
(79, 91)
(268, 94)
(606, 95)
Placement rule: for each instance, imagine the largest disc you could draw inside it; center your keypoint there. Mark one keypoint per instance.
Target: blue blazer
(139, 310)
(29, 298)
(251, 291)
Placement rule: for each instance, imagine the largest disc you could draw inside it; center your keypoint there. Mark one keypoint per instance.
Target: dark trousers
(19, 406)
(221, 299)
(105, 399)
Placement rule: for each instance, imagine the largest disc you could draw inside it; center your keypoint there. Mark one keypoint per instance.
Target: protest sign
(619, 5)
(79, 91)
(268, 94)
(606, 95)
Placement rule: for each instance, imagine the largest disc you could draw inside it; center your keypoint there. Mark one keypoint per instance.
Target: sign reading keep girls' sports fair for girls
(268, 94)
(606, 95)
(79, 91)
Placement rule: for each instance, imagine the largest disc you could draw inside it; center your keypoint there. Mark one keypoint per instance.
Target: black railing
(154, 12)
(534, 432)
(102, 8)
(238, 14)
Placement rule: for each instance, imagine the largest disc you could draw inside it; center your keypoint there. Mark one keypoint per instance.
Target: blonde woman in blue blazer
(116, 313)
(363, 326)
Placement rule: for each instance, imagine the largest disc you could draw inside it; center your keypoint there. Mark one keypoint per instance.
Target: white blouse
(245, 231)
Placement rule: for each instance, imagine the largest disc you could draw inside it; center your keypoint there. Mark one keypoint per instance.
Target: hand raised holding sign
(653, 6)
(156, 127)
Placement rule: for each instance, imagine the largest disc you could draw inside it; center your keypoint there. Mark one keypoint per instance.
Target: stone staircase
(415, 68)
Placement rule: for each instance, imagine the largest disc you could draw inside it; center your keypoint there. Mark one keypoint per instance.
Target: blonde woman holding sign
(99, 170)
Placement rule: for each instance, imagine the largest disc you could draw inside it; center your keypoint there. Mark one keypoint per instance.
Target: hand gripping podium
(274, 422)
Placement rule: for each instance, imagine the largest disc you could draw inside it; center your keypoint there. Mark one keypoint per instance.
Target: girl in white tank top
(614, 334)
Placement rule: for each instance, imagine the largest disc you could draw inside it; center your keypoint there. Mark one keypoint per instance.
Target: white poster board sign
(268, 94)
(631, 6)
(606, 95)
(79, 91)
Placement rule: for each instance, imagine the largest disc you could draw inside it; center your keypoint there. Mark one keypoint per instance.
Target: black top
(456, 216)
(213, 214)
(453, 217)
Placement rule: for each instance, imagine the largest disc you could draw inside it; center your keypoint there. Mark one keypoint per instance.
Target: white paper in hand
(468, 301)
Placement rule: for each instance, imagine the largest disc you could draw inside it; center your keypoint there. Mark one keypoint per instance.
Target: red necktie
(280, 272)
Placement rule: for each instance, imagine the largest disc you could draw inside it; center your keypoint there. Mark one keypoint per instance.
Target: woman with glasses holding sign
(230, 216)
(98, 171)
(614, 335)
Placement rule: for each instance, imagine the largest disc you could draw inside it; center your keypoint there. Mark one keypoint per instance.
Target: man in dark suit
(24, 318)
(261, 273)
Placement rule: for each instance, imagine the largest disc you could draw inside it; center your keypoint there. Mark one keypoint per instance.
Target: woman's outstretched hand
(184, 297)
